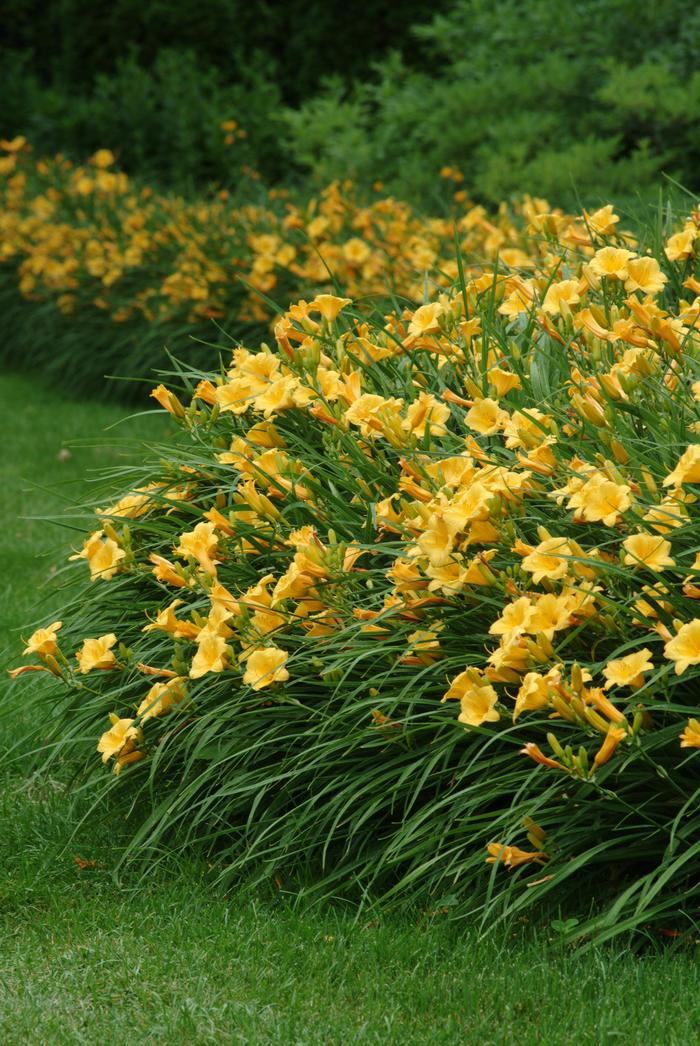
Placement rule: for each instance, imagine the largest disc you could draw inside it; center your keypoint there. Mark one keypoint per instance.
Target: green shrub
(163, 122)
(540, 98)
(297, 42)
(153, 81)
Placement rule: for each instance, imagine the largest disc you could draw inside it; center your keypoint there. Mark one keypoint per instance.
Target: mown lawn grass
(163, 959)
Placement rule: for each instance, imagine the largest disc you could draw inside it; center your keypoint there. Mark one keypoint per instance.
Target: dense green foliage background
(591, 98)
(152, 81)
(596, 97)
(295, 43)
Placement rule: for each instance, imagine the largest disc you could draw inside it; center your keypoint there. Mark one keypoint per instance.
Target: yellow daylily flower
(629, 670)
(513, 856)
(566, 292)
(688, 468)
(44, 640)
(265, 667)
(548, 560)
(166, 621)
(534, 692)
(684, 647)
(648, 550)
(477, 698)
(425, 320)
(161, 697)
(503, 380)
(201, 544)
(680, 245)
(600, 500)
(329, 305)
(165, 571)
(644, 274)
(603, 221)
(486, 417)
(97, 653)
(612, 262)
(213, 654)
(120, 739)
(427, 414)
(103, 556)
(103, 158)
(690, 738)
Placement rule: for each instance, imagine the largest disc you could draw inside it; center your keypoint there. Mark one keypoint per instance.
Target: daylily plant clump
(88, 236)
(417, 604)
(110, 253)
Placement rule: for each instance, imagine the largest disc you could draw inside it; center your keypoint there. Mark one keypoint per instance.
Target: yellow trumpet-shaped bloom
(566, 292)
(120, 739)
(476, 697)
(166, 621)
(513, 856)
(104, 556)
(680, 245)
(548, 559)
(629, 670)
(486, 417)
(201, 544)
(690, 738)
(426, 320)
(97, 653)
(329, 305)
(644, 274)
(600, 500)
(684, 647)
(534, 692)
(265, 667)
(688, 468)
(161, 697)
(213, 654)
(612, 262)
(44, 640)
(648, 550)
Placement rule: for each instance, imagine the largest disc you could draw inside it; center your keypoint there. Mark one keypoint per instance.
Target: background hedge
(586, 99)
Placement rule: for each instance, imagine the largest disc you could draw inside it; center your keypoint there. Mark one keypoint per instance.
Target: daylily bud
(169, 401)
(619, 451)
(613, 737)
(536, 753)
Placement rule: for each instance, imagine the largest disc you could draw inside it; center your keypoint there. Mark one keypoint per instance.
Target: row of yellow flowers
(528, 444)
(88, 236)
